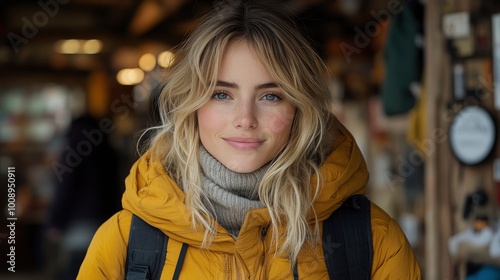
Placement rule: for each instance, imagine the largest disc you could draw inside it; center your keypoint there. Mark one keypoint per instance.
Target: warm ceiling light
(166, 58)
(130, 76)
(74, 46)
(147, 62)
(92, 46)
(68, 46)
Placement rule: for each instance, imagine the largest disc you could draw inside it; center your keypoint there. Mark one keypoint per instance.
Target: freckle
(279, 124)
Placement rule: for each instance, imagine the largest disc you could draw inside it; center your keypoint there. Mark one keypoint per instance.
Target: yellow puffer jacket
(152, 195)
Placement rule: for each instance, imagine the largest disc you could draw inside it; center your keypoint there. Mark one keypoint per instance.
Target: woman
(248, 161)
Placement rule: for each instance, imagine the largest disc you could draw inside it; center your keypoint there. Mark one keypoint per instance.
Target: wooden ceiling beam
(152, 12)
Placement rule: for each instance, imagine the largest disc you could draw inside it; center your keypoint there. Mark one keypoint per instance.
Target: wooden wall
(448, 182)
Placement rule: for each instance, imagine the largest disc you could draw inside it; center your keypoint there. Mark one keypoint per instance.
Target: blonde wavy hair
(286, 188)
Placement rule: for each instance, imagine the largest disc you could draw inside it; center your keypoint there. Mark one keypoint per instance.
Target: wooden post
(433, 62)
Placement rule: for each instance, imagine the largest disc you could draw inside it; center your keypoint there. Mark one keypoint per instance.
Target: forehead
(240, 60)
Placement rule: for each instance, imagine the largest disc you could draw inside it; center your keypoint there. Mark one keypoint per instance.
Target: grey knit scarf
(230, 194)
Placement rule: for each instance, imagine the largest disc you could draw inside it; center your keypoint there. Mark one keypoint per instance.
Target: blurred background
(416, 82)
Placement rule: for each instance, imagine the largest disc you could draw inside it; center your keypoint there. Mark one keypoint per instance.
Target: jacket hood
(152, 195)
(344, 174)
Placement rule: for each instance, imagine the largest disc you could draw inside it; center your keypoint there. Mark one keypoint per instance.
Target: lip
(244, 143)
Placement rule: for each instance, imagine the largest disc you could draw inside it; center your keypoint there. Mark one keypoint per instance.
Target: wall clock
(473, 135)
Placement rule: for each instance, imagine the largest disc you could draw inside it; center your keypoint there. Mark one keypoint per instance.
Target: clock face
(472, 135)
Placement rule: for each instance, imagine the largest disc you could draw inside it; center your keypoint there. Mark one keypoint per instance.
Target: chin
(241, 167)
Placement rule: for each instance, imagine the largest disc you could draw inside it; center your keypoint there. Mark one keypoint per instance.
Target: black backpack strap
(180, 261)
(347, 240)
(146, 252)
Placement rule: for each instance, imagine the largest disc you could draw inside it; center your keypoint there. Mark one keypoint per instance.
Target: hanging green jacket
(152, 195)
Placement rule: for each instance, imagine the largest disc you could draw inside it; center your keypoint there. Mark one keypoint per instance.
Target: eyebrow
(258, 87)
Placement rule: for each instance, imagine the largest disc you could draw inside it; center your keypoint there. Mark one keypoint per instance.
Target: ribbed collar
(230, 194)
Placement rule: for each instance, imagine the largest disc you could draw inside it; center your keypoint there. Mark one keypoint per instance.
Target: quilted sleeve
(393, 256)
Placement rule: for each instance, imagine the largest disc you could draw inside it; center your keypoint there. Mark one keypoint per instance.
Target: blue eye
(271, 97)
(220, 95)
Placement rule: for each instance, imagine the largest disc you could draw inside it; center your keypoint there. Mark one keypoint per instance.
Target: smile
(243, 143)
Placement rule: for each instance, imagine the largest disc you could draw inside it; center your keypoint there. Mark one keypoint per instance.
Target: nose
(245, 116)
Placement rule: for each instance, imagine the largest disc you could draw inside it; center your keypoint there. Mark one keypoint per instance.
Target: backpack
(347, 245)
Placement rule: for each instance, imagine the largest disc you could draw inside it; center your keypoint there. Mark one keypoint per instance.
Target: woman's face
(247, 120)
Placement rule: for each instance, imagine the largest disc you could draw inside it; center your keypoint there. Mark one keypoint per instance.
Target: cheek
(208, 120)
(282, 123)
